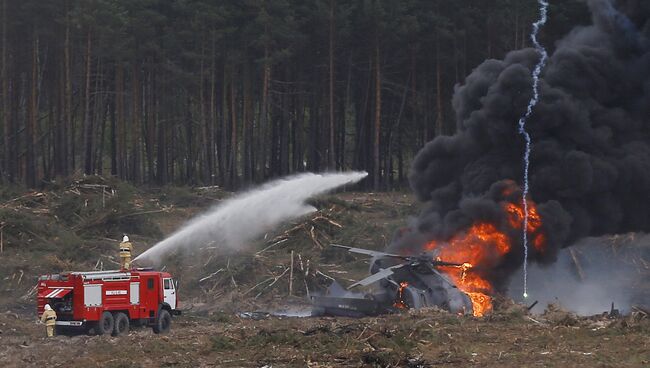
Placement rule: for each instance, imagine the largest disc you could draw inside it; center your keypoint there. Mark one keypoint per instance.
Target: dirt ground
(424, 338)
(76, 226)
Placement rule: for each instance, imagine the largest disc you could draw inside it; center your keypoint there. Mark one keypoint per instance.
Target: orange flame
(516, 217)
(399, 303)
(483, 246)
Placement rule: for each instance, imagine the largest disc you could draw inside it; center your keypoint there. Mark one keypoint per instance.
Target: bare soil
(424, 338)
(76, 226)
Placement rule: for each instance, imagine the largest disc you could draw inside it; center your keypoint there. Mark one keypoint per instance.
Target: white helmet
(47, 307)
(125, 238)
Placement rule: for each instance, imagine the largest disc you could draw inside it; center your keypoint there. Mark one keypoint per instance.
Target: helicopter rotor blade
(368, 252)
(376, 276)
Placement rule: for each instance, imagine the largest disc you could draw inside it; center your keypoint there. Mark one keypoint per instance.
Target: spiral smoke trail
(543, 8)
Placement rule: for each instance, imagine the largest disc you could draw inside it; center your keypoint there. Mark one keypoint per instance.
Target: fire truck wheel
(121, 324)
(163, 323)
(105, 324)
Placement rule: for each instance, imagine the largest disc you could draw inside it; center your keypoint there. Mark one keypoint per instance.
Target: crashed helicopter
(399, 282)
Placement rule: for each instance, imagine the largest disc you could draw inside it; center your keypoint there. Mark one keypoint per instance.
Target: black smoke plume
(590, 160)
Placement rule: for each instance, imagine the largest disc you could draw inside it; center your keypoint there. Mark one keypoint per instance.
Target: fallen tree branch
(312, 234)
(29, 293)
(270, 246)
(256, 285)
(536, 321)
(143, 213)
(324, 275)
(273, 283)
(211, 275)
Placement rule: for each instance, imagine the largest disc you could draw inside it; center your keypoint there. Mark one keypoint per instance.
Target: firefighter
(49, 318)
(126, 248)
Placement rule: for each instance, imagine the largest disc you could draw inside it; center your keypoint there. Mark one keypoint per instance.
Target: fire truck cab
(110, 301)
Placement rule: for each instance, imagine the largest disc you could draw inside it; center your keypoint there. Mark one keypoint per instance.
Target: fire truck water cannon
(104, 302)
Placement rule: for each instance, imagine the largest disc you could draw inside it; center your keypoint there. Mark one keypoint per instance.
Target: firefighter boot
(50, 331)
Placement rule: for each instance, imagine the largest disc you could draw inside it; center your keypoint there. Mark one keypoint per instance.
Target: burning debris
(590, 163)
(483, 246)
(400, 282)
(471, 256)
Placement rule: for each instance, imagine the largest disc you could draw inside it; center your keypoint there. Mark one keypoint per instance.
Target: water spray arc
(234, 223)
(543, 9)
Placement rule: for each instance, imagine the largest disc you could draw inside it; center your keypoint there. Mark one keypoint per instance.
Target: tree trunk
(283, 141)
(59, 145)
(68, 124)
(263, 128)
(363, 118)
(247, 125)
(440, 129)
(88, 123)
(414, 95)
(298, 133)
(150, 122)
(135, 127)
(189, 153)
(203, 121)
(102, 114)
(49, 131)
(8, 165)
(347, 110)
(233, 130)
(331, 150)
(224, 157)
(99, 117)
(161, 154)
(113, 138)
(121, 128)
(391, 138)
(213, 114)
(30, 129)
(377, 125)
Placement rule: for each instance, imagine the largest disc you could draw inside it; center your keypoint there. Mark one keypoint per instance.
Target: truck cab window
(149, 283)
(167, 284)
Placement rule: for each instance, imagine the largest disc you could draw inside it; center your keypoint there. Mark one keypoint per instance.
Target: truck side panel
(149, 296)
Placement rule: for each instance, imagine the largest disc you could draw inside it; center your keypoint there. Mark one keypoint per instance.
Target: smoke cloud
(233, 223)
(591, 275)
(590, 159)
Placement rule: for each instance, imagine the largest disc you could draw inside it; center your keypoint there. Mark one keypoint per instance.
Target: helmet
(125, 238)
(47, 307)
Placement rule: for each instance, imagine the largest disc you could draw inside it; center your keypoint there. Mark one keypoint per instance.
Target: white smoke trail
(543, 8)
(237, 221)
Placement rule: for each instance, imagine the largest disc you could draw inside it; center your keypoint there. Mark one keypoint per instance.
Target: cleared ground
(76, 225)
(421, 339)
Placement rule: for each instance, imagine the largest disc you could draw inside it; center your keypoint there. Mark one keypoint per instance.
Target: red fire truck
(110, 301)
